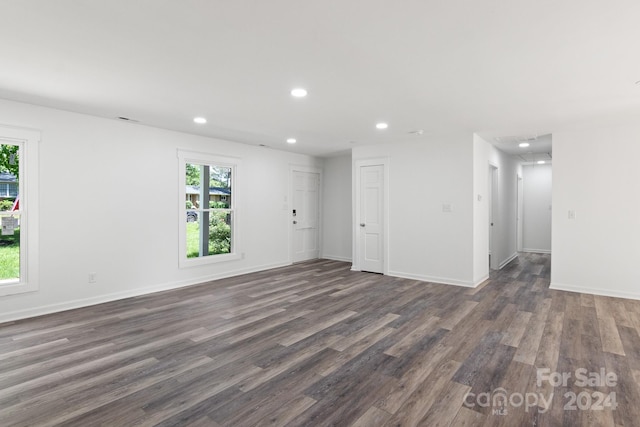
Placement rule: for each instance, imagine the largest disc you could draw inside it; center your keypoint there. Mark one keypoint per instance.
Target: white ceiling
(495, 67)
(539, 147)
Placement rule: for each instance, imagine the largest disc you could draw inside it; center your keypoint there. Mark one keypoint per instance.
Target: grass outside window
(10, 256)
(219, 235)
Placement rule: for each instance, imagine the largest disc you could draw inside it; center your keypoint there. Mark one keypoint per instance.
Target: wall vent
(127, 119)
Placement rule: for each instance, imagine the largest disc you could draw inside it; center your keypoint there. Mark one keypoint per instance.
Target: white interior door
(305, 215)
(371, 221)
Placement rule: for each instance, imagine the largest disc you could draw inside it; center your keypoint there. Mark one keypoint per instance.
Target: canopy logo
(500, 400)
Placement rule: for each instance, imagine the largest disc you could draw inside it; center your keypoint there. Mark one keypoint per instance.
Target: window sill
(210, 259)
(13, 287)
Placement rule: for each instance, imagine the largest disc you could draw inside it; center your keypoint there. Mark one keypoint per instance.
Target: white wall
(424, 242)
(337, 221)
(536, 218)
(109, 204)
(596, 174)
(504, 218)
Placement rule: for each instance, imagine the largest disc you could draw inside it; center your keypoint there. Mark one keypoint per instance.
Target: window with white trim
(208, 216)
(18, 210)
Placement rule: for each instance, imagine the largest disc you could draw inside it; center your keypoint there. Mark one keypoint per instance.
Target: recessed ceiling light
(200, 120)
(382, 125)
(523, 144)
(291, 141)
(541, 162)
(299, 92)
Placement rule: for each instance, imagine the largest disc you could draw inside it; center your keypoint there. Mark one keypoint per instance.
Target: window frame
(28, 184)
(200, 158)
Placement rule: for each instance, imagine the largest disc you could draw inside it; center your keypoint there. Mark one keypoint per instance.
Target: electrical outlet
(92, 277)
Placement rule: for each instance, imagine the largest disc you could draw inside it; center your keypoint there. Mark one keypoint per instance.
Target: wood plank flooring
(316, 344)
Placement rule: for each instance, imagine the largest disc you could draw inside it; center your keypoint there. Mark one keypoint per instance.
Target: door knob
(362, 224)
(295, 222)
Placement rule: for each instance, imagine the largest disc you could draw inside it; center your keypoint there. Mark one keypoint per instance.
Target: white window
(19, 211)
(8, 189)
(207, 208)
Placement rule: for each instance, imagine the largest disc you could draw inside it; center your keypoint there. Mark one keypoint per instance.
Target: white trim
(480, 281)
(537, 251)
(494, 213)
(86, 302)
(29, 142)
(508, 260)
(433, 279)
(303, 168)
(203, 156)
(355, 204)
(592, 291)
(209, 259)
(336, 258)
(306, 169)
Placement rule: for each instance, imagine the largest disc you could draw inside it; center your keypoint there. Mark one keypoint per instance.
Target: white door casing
(494, 205)
(305, 215)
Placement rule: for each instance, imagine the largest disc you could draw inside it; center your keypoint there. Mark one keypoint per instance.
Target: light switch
(446, 207)
(572, 214)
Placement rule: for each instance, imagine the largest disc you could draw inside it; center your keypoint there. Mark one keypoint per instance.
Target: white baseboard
(336, 258)
(537, 251)
(480, 281)
(100, 299)
(594, 291)
(508, 260)
(433, 279)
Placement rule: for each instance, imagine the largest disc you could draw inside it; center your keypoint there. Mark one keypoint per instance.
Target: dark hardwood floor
(317, 344)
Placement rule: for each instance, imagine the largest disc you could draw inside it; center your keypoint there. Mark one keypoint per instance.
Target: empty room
(335, 213)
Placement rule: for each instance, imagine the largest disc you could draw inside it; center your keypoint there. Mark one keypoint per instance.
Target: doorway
(537, 213)
(519, 213)
(305, 214)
